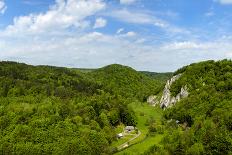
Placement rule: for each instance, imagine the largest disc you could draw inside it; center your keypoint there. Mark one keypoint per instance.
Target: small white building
(120, 135)
(129, 128)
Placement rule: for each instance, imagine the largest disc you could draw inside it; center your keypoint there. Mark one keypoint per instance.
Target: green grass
(141, 147)
(121, 141)
(143, 112)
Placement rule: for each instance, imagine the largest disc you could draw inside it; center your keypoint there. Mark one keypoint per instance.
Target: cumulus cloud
(58, 37)
(63, 15)
(127, 2)
(100, 22)
(95, 49)
(3, 7)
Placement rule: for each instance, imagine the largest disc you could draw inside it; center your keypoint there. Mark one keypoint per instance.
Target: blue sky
(154, 35)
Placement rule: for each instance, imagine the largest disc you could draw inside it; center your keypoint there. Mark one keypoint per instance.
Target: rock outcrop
(153, 100)
(167, 100)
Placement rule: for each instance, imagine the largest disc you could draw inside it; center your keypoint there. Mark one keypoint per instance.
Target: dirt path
(126, 144)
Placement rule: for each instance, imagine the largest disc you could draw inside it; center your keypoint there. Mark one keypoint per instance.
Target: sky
(151, 35)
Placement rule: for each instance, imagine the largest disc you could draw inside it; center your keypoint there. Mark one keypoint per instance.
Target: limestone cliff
(153, 100)
(167, 100)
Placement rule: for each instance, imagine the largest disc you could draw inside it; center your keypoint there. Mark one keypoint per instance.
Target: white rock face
(167, 100)
(184, 92)
(153, 100)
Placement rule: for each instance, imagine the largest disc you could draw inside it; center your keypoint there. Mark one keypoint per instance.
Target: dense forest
(201, 123)
(54, 110)
(161, 77)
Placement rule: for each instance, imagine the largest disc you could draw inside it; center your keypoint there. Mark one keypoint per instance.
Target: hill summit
(125, 81)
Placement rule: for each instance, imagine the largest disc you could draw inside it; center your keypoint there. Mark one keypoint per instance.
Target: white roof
(130, 127)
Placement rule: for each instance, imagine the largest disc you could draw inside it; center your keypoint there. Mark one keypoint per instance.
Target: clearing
(141, 143)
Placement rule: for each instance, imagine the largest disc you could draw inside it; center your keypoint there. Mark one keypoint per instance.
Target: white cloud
(100, 22)
(63, 15)
(3, 7)
(147, 18)
(120, 30)
(225, 2)
(96, 49)
(130, 34)
(137, 17)
(185, 45)
(127, 2)
(140, 41)
(45, 38)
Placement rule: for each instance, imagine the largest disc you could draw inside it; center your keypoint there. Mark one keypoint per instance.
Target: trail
(126, 144)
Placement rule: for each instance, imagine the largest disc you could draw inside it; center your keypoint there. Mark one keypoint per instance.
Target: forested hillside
(53, 110)
(201, 123)
(163, 77)
(127, 82)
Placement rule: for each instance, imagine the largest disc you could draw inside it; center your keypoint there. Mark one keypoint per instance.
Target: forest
(205, 117)
(55, 110)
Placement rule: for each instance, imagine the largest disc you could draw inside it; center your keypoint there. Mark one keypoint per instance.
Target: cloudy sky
(154, 35)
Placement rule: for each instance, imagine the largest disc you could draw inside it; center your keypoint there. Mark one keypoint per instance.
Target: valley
(115, 77)
(55, 110)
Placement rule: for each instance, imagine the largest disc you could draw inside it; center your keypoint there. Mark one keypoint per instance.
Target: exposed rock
(153, 100)
(167, 100)
(184, 92)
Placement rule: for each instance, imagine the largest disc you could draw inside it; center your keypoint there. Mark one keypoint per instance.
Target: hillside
(163, 77)
(55, 110)
(127, 82)
(202, 122)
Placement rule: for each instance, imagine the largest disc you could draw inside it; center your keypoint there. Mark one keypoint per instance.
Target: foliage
(162, 77)
(127, 82)
(145, 140)
(205, 116)
(54, 110)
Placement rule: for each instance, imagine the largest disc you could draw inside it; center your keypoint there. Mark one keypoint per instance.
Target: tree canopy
(55, 110)
(205, 117)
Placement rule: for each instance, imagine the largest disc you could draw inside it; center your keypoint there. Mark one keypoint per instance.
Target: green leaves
(52, 110)
(207, 110)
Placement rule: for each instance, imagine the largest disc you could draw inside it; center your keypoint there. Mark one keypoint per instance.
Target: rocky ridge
(167, 100)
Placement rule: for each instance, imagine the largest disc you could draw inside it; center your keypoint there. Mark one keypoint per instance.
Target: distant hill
(163, 77)
(154, 75)
(126, 81)
(117, 79)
